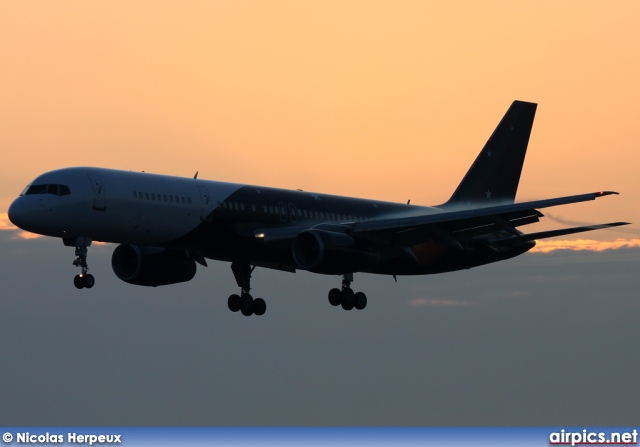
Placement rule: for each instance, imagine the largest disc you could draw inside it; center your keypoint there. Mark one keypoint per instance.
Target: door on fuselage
(99, 196)
(207, 204)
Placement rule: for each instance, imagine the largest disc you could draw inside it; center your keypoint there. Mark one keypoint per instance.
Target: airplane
(165, 225)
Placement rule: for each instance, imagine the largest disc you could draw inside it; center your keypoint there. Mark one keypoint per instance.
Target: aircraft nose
(16, 213)
(21, 215)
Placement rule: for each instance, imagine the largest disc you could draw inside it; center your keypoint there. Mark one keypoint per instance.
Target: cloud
(439, 302)
(583, 244)
(5, 224)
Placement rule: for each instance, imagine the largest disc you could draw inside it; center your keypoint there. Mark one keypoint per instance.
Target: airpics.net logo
(70, 438)
(586, 437)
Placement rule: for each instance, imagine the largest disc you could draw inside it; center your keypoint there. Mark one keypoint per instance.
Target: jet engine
(330, 252)
(151, 266)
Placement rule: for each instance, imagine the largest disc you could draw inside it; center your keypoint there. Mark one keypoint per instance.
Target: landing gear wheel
(348, 299)
(234, 303)
(360, 300)
(89, 280)
(259, 306)
(78, 281)
(83, 280)
(335, 297)
(244, 302)
(246, 305)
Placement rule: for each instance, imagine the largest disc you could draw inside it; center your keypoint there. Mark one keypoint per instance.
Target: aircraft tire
(78, 282)
(246, 305)
(234, 303)
(88, 280)
(347, 299)
(360, 300)
(335, 297)
(259, 306)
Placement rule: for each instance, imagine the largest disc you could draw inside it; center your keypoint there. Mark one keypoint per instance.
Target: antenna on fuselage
(196, 176)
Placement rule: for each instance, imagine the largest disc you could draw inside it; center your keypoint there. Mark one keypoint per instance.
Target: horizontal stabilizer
(554, 233)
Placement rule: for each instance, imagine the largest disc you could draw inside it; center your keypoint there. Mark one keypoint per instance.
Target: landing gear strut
(84, 279)
(245, 302)
(346, 297)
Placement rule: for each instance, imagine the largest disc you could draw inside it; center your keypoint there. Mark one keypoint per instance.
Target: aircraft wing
(450, 227)
(453, 226)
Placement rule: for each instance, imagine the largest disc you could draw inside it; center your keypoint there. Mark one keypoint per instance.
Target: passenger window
(264, 208)
(183, 200)
(153, 196)
(135, 196)
(146, 195)
(253, 207)
(165, 198)
(189, 200)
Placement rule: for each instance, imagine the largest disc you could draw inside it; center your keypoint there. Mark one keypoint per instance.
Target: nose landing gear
(84, 279)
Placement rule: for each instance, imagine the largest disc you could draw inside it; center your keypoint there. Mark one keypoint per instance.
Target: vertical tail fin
(495, 174)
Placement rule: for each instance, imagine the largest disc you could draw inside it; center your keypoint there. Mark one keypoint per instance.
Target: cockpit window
(55, 189)
(37, 189)
(24, 191)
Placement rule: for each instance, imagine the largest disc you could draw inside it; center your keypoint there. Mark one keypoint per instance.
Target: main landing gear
(346, 297)
(244, 302)
(84, 279)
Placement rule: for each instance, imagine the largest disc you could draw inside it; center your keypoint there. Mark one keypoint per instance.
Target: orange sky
(391, 100)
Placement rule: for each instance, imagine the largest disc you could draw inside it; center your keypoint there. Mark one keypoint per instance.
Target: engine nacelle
(151, 266)
(329, 252)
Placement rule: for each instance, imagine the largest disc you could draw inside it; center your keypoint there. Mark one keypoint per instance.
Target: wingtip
(614, 224)
(605, 193)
